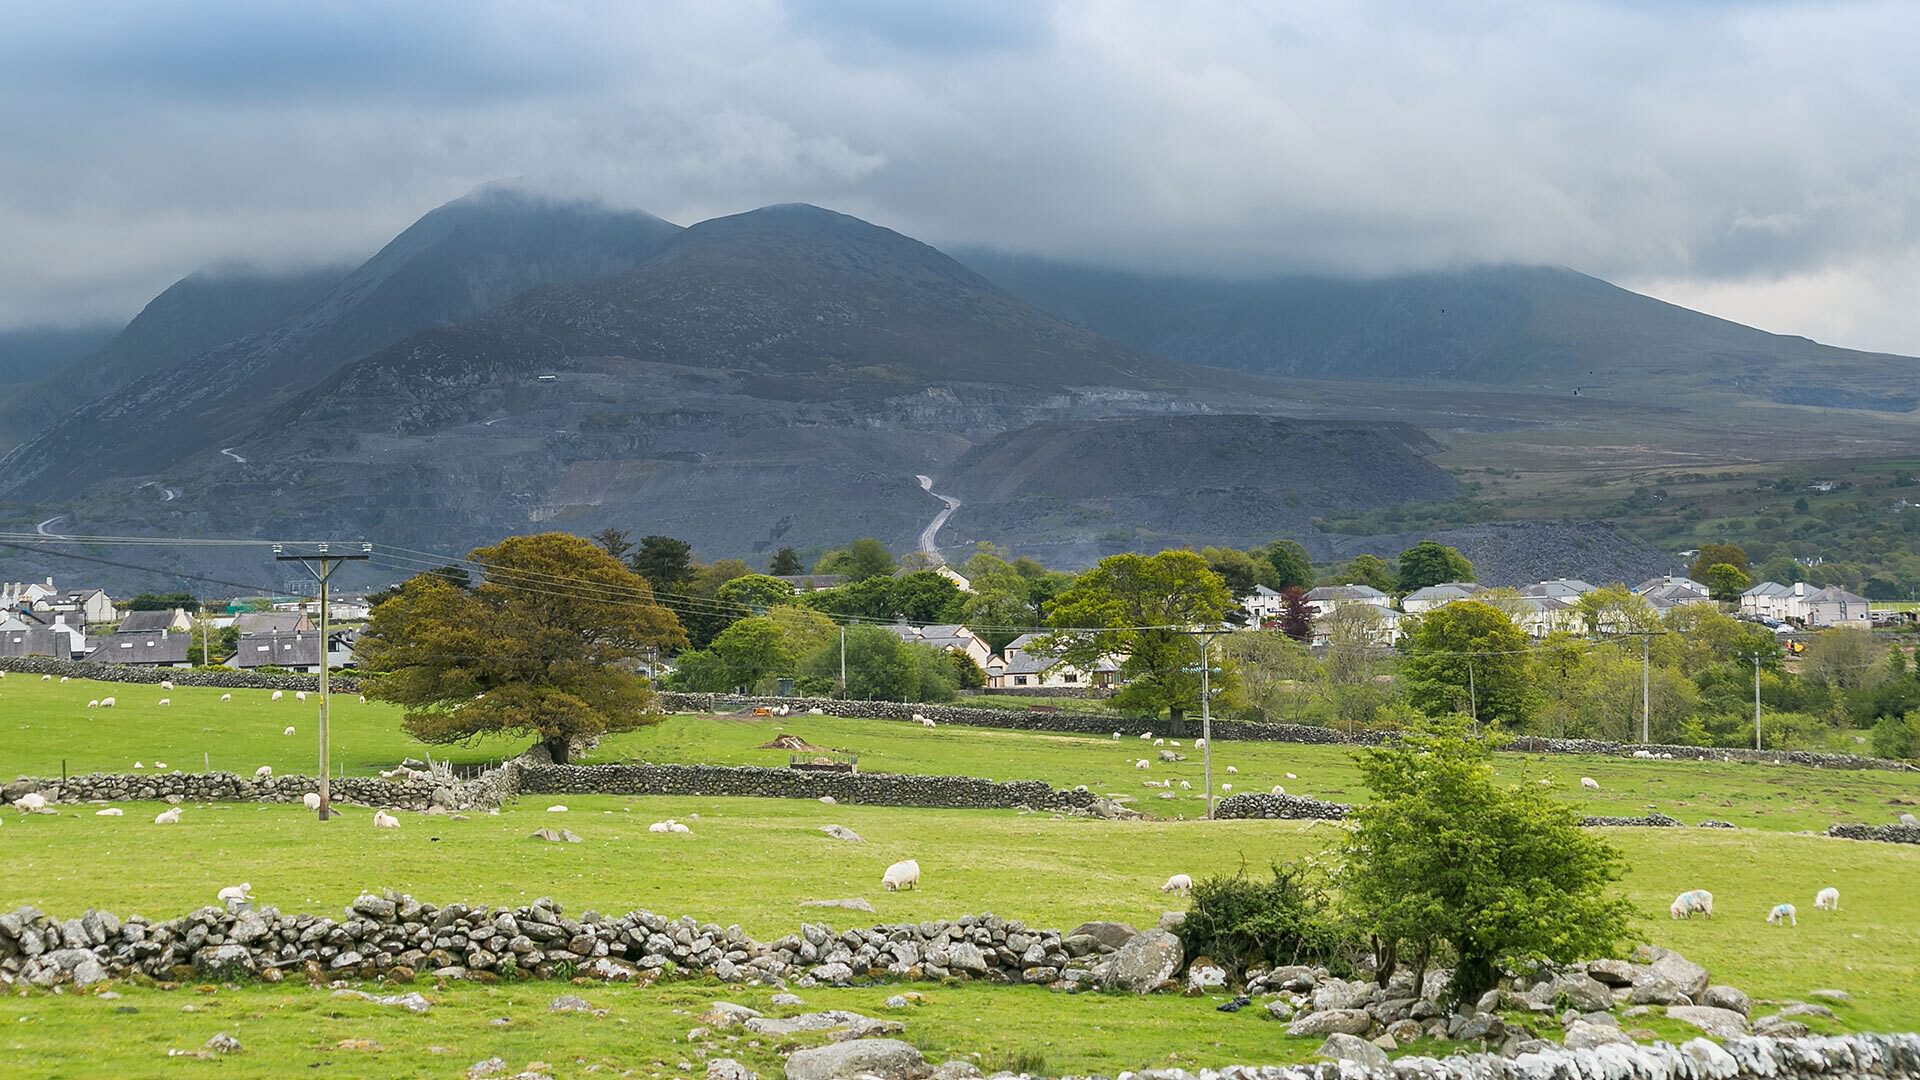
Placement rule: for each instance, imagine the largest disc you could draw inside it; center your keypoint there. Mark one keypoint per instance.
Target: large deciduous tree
(1444, 857)
(1468, 657)
(1712, 555)
(545, 645)
(1291, 567)
(864, 558)
(1368, 570)
(1725, 582)
(1139, 607)
(1430, 562)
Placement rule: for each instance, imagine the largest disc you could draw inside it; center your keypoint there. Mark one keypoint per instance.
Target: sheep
(919, 719)
(1146, 735)
(1278, 790)
(159, 764)
(1643, 753)
(299, 695)
(166, 684)
(226, 697)
(31, 803)
(1783, 913)
(1159, 742)
(557, 808)
(168, 817)
(94, 704)
(288, 730)
(1290, 776)
(164, 702)
(1116, 736)
(111, 811)
(659, 827)
(234, 892)
(827, 800)
(1909, 819)
(1226, 787)
(1180, 883)
(311, 800)
(275, 696)
(1231, 771)
(44, 678)
(674, 826)
(1186, 785)
(384, 820)
(1199, 744)
(139, 765)
(924, 722)
(1143, 763)
(1173, 742)
(64, 678)
(108, 703)
(264, 772)
(901, 875)
(363, 699)
(1827, 899)
(1687, 903)
(1589, 783)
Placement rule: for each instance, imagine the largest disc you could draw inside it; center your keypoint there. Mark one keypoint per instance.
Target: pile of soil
(792, 742)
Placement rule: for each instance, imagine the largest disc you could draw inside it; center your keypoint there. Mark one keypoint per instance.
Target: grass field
(43, 724)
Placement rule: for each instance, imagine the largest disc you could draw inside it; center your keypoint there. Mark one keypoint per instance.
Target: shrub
(1244, 922)
(1896, 736)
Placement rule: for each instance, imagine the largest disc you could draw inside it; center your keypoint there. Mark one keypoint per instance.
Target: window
(1071, 676)
(1019, 680)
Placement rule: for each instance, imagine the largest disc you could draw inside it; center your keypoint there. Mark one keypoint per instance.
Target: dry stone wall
(129, 673)
(1886, 834)
(880, 789)
(416, 793)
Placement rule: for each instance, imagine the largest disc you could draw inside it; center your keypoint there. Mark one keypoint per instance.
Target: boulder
(957, 1069)
(722, 1014)
(966, 956)
(1144, 962)
(1343, 1047)
(1719, 1023)
(1690, 977)
(888, 1059)
(1343, 1021)
(1838, 997)
(1611, 972)
(224, 961)
(1204, 976)
(1731, 998)
(1582, 992)
(1652, 988)
(1113, 935)
(1584, 1036)
(1482, 1026)
(1801, 1008)
(729, 1069)
(1341, 994)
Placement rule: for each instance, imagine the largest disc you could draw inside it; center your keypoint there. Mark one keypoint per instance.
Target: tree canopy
(505, 657)
(786, 563)
(665, 562)
(1430, 562)
(864, 558)
(1725, 582)
(1131, 598)
(1368, 570)
(1291, 566)
(1469, 657)
(1712, 555)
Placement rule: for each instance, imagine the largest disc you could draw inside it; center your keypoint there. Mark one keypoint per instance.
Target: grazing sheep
(166, 684)
(234, 892)
(64, 678)
(164, 702)
(226, 697)
(363, 701)
(924, 722)
(264, 772)
(918, 719)
(827, 799)
(312, 800)
(1783, 913)
(159, 764)
(1116, 736)
(384, 820)
(1290, 776)
(1827, 899)
(138, 765)
(660, 827)
(169, 817)
(1278, 790)
(94, 704)
(1186, 785)
(108, 703)
(288, 730)
(1226, 787)
(1146, 734)
(1159, 742)
(1166, 795)
(1589, 783)
(1180, 883)
(299, 695)
(1176, 742)
(275, 696)
(1643, 753)
(1231, 771)
(901, 875)
(111, 811)
(1199, 743)
(44, 678)
(31, 803)
(1688, 903)
(1143, 763)
(557, 808)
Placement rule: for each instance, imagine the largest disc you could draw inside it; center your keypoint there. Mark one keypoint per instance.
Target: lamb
(64, 678)
(1589, 783)
(1173, 742)
(226, 697)
(234, 892)
(1278, 790)
(384, 820)
(1226, 787)
(168, 817)
(111, 811)
(311, 800)
(93, 704)
(918, 719)
(1827, 899)
(107, 703)
(288, 730)
(1231, 771)
(299, 695)
(31, 803)
(159, 764)
(138, 765)
(1146, 734)
(1159, 742)
(1199, 744)
(1116, 736)
(275, 696)
(674, 826)
(1142, 764)
(166, 684)
(1180, 883)
(901, 875)
(164, 702)
(1290, 776)
(660, 827)
(1186, 785)
(1783, 913)
(1643, 753)
(924, 722)
(44, 678)
(264, 772)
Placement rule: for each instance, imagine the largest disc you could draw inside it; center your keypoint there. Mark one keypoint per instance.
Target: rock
(223, 1043)
(1343, 1047)
(897, 1001)
(1720, 1023)
(1485, 1026)
(569, 1003)
(1113, 935)
(1296, 978)
(729, 1069)
(1838, 997)
(1171, 920)
(1611, 972)
(1731, 998)
(1713, 1058)
(957, 1069)
(1404, 1031)
(412, 1002)
(784, 1000)
(852, 904)
(829, 1020)
(1655, 989)
(224, 961)
(966, 956)
(1203, 977)
(1144, 962)
(1582, 1035)
(1780, 1027)
(1341, 994)
(841, 832)
(1582, 992)
(722, 1014)
(1342, 1021)
(1801, 1008)
(1690, 977)
(1281, 1009)
(492, 1066)
(555, 836)
(888, 1059)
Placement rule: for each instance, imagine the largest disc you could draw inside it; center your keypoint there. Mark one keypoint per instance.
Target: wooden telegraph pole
(320, 564)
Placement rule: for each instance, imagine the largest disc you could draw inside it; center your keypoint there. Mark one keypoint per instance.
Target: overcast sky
(1759, 160)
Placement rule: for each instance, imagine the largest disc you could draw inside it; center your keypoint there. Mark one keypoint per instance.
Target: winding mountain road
(928, 535)
(44, 531)
(228, 450)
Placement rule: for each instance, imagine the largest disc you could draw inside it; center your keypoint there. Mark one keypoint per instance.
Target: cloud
(1736, 153)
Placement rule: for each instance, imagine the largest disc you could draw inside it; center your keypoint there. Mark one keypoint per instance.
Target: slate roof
(161, 648)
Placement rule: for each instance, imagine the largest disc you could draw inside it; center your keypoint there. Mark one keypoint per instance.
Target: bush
(1243, 922)
(1896, 737)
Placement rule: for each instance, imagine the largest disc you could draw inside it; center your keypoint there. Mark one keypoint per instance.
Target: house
(1026, 665)
(1834, 606)
(92, 605)
(1262, 605)
(25, 596)
(1666, 593)
(1542, 615)
(151, 622)
(254, 623)
(58, 641)
(297, 651)
(1421, 601)
(1669, 583)
(1567, 589)
(952, 638)
(163, 649)
(1327, 598)
(1767, 600)
(807, 583)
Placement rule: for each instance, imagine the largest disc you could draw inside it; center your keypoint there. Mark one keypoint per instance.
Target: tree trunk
(1385, 955)
(1420, 959)
(557, 748)
(1176, 721)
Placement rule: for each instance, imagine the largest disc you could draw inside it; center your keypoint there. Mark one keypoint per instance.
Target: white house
(148, 622)
(1543, 615)
(947, 638)
(1328, 598)
(1024, 664)
(1665, 593)
(1421, 601)
(1767, 600)
(1569, 590)
(25, 595)
(1834, 606)
(1262, 605)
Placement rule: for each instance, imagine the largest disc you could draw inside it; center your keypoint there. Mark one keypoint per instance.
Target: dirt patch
(792, 742)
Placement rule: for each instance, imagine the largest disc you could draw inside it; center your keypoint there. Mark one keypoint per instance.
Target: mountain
(454, 263)
(1538, 327)
(193, 315)
(30, 353)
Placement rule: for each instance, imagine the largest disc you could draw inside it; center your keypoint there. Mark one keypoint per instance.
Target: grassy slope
(45, 723)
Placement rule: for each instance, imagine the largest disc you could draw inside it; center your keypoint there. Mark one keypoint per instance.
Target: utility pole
(1473, 695)
(1646, 701)
(204, 628)
(1206, 713)
(843, 661)
(327, 562)
(1756, 701)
